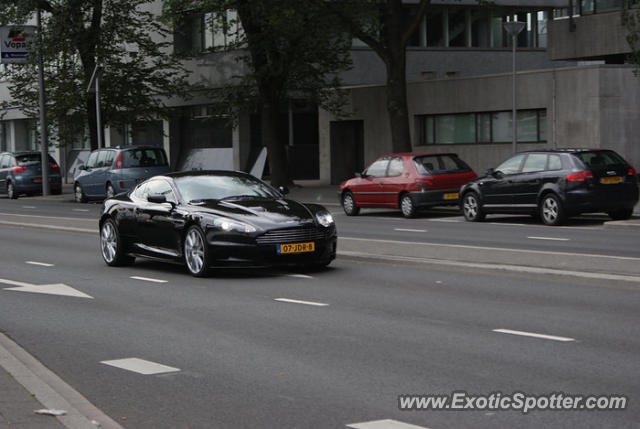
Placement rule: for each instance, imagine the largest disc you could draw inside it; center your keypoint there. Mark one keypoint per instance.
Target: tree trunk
(397, 107)
(276, 149)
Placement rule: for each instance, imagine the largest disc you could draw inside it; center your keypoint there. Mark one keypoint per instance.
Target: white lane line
(384, 424)
(147, 279)
(28, 207)
(140, 366)
(445, 220)
(295, 301)
(79, 210)
(51, 227)
(534, 335)
(466, 246)
(549, 238)
(409, 230)
(82, 219)
(41, 264)
(300, 276)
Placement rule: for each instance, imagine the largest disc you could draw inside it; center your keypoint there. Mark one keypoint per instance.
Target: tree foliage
(121, 35)
(291, 49)
(384, 27)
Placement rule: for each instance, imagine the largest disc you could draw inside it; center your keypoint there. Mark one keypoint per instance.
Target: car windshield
(440, 164)
(600, 158)
(215, 187)
(31, 159)
(143, 157)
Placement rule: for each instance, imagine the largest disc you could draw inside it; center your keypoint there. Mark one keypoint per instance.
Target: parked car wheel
(551, 210)
(111, 192)
(78, 194)
(11, 191)
(111, 245)
(471, 207)
(349, 204)
(407, 206)
(622, 214)
(195, 252)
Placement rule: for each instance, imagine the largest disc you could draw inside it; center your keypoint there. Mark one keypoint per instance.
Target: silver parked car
(111, 171)
(21, 173)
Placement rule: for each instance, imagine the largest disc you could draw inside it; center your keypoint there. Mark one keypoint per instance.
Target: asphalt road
(246, 360)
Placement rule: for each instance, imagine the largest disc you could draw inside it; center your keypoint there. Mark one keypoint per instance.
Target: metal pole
(98, 119)
(44, 144)
(514, 117)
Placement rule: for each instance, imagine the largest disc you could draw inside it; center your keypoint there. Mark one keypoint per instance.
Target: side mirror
(82, 167)
(283, 190)
(157, 198)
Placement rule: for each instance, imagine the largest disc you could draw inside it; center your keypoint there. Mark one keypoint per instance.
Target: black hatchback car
(554, 185)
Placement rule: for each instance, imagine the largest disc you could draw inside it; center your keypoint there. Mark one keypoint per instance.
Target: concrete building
(572, 91)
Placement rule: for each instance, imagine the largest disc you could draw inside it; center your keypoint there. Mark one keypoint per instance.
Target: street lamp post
(44, 140)
(94, 86)
(514, 28)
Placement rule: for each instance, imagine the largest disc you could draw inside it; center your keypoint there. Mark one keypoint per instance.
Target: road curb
(630, 225)
(50, 390)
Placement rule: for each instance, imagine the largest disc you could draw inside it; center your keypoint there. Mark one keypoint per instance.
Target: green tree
(383, 26)
(121, 35)
(292, 49)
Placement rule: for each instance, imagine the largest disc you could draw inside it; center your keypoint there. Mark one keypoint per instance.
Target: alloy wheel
(470, 207)
(349, 204)
(11, 191)
(108, 242)
(194, 251)
(407, 207)
(550, 210)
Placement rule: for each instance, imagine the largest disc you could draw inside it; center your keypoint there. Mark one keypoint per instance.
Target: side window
(511, 165)
(102, 158)
(535, 162)
(11, 160)
(141, 191)
(109, 158)
(555, 162)
(160, 187)
(4, 161)
(378, 168)
(91, 162)
(396, 167)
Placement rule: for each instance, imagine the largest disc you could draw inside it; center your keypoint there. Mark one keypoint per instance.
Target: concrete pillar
(445, 27)
(423, 31)
(467, 27)
(324, 145)
(166, 138)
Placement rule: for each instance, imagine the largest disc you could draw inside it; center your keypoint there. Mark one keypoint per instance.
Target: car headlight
(325, 219)
(228, 225)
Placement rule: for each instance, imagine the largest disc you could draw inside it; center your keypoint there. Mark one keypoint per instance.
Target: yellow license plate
(451, 196)
(37, 180)
(610, 180)
(296, 248)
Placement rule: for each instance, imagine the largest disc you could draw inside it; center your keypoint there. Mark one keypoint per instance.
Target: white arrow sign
(50, 289)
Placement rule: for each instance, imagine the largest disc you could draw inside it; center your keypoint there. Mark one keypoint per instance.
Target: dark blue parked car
(21, 173)
(111, 171)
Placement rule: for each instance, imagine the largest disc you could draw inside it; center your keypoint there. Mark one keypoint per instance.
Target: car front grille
(292, 235)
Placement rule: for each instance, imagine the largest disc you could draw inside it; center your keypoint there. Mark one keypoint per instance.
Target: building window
(5, 137)
(199, 32)
(484, 127)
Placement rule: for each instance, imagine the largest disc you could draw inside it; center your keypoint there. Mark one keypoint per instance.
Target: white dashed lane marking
(384, 424)
(409, 230)
(295, 301)
(549, 238)
(300, 276)
(534, 335)
(41, 264)
(147, 279)
(140, 366)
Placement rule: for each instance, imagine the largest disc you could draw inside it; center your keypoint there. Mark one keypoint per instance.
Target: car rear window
(600, 158)
(440, 164)
(143, 157)
(31, 159)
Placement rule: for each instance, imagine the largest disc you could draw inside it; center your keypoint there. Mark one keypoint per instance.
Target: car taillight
(121, 185)
(579, 176)
(19, 169)
(119, 161)
(424, 183)
(55, 167)
(631, 171)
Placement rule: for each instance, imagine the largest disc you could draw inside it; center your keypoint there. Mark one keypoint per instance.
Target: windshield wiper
(241, 197)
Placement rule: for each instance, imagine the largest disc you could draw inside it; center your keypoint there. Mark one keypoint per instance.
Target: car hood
(261, 212)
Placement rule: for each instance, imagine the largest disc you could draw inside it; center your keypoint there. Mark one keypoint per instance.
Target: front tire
(407, 206)
(551, 210)
(349, 204)
(111, 245)
(622, 214)
(11, 191)
(471, 207)
(78, 194)
(196, 253)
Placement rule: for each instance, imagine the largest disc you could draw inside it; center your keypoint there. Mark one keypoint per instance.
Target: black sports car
(215, 218)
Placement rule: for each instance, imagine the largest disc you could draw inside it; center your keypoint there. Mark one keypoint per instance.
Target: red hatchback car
(408, 181)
